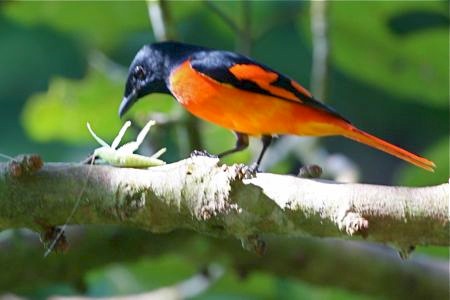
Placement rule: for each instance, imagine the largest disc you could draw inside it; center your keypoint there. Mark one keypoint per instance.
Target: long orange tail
(368, 139)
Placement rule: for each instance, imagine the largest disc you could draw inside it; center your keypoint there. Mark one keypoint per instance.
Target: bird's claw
(202, 153)
(248, 172)
(254, 168)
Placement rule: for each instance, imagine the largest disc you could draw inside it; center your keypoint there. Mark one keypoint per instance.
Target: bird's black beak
(127, 102)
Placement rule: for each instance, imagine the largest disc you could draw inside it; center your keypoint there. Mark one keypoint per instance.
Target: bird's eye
(139, 73)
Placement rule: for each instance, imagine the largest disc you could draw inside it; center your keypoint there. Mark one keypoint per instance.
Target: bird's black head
(146, 75)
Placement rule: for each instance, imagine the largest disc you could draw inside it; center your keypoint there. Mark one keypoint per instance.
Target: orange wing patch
(263, 79)
(301, 89)
(232, 108)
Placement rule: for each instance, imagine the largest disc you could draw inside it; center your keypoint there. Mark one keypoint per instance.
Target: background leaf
(367, 46)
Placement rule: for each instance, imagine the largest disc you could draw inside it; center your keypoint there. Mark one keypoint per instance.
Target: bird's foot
(202, 153)
(249, 171)
(254, 168)
(310, 171)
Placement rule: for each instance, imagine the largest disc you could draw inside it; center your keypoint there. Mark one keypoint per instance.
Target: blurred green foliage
(98, 24)
(64, 63)
(439, 151)
(391, 59)
(147, 274)
(69, 101)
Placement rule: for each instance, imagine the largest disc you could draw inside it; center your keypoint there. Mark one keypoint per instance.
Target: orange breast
(245, 111)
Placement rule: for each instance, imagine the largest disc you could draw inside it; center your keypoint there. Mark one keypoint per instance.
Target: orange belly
(245, 111)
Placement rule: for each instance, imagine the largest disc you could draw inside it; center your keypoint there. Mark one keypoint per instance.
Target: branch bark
(200, 195)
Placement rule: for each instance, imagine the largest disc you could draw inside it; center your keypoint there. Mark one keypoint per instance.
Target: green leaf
(61, 113)
(141, 276)
(414, 176)
(442, 252)
(103, 24)
(259, 285)
(366, 45)
(192, 21)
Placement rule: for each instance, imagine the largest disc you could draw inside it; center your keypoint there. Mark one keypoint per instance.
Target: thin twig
(319, 28)
(245, 38)
(157, 21)
(224, 17)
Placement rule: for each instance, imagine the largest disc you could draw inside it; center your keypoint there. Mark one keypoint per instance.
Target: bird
(236, 92)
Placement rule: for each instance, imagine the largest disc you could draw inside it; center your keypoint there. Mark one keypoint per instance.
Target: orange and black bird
(235, 92)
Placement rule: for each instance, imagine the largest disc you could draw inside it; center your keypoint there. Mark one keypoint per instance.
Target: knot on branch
(353, 223)
(254, 244)
(25, 165)
(310, 171)
(130, 200)
(53, 238)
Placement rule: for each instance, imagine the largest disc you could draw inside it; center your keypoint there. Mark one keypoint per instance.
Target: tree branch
(198, 194)
(369, 269)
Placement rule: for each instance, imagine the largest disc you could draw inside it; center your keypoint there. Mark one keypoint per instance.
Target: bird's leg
(250, 171)
(241, 144)
(266, 141)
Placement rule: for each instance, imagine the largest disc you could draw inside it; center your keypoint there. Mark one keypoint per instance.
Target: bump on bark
(353, 223)
(25, 165)
(52, 237)
(310, 171)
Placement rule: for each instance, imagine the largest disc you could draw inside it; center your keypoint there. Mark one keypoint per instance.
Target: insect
(121, 157)
(124, 156)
